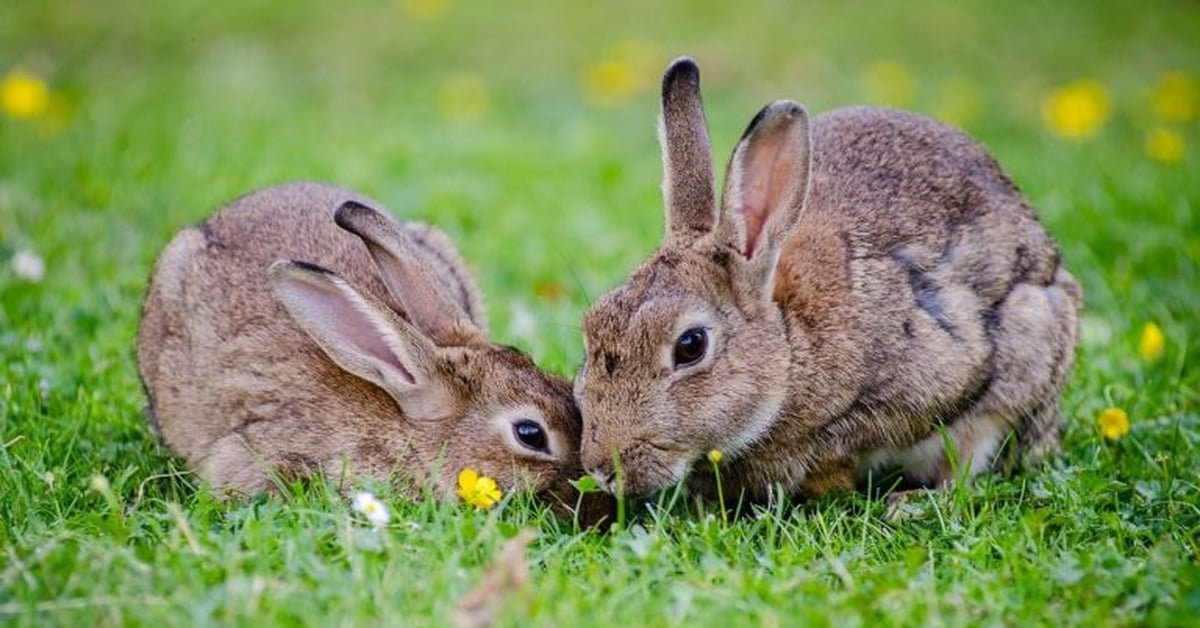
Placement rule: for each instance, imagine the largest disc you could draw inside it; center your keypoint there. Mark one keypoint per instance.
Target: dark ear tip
(349, 211)
(773, 111)
(681, 69)
(282, 266)
(683, 64)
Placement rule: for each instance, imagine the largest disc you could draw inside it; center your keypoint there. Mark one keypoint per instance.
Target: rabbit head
(461, 400)
(691, 353)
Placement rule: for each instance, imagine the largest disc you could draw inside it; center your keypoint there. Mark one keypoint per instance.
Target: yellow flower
(1077, 110)
(1114, 423)
(478, 490)
(425, 9)
(715, 456)
(626, 70)
(24, 95)
(1165, 145)
(1152, 343)
(463, 98)
(887, 82)
(1175, 97)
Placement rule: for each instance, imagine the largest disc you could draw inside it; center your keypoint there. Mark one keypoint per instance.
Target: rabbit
(261, 364)
(871, 287)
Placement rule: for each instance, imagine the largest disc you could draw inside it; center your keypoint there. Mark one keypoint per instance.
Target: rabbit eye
(691, 346)
(531, 435)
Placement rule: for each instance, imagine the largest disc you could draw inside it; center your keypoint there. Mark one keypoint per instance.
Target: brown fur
(873, 277)
(241, 391)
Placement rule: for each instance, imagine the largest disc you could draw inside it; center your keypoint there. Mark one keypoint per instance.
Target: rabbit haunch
(871, 278)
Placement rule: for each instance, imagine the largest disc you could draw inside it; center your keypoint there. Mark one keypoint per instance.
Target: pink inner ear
(341, 326)
(764, 179)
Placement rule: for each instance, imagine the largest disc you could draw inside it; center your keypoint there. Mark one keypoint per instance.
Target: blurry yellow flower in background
(887, 82)
(478, 490)
(1174, 97)
(715, 456)
(627, 69)
(463, 98)
(1153, 341)
(1113, 423)
(958, 101)
(1077, 110)
(425, 9)
(23, 95)
(1165, 145)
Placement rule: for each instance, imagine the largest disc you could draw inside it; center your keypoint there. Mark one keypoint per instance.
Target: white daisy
(374, 510)
(28, 266)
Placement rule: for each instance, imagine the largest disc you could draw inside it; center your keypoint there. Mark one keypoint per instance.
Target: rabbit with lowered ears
(260, 361)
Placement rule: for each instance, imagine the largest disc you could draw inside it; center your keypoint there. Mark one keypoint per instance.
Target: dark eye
(531, 435)
(690, 346)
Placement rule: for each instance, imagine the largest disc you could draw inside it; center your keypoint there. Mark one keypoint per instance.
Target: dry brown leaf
(505, 579)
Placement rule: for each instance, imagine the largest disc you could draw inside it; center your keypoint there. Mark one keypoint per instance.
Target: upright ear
(766, 185)
(688, 189)
(409, 278)
(365, 339)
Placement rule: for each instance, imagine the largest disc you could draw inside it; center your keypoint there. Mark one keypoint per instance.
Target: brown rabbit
(868, 286)
(254, 366)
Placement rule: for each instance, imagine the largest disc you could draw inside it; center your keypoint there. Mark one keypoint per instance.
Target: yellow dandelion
(463, 98)
(1077, 110)
(958, 101)
(625, 70)
(1151, 346)
(1165, 145)
(642, 57)
(24, 95)
(1174, 97)
(1114, 423)
(609, 84)
(715, 456)
(478, 490)
(425, 9)
(887, 82)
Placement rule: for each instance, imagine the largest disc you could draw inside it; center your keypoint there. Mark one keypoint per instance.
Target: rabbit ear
(409, 279)
(766, 185)
(363, 338)
(688, 191)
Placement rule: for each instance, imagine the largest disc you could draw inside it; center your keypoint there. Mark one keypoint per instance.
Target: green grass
(171, 110)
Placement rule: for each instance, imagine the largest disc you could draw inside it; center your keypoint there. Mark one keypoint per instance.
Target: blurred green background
(527, 130)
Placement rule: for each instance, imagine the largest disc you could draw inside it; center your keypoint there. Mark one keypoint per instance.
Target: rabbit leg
(831, 476)
(975, 439)
(233, 464)
(1033, 334)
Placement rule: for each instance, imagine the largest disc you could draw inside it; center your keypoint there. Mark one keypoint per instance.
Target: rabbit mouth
(643, 469)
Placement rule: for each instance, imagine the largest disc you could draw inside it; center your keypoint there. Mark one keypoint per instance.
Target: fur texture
(255, 367)
(872, 284)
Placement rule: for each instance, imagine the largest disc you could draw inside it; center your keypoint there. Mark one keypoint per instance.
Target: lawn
(527, 132)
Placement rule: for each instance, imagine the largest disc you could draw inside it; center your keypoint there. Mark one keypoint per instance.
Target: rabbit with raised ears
(261, 362)
(870, 287)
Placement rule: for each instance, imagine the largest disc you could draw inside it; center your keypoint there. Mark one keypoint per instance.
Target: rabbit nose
(605, 480)
(603, 472)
